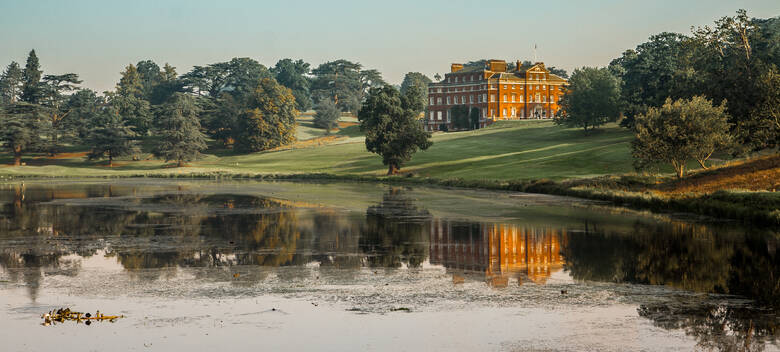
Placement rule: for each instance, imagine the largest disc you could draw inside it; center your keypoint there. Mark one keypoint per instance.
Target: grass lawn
(517, 150)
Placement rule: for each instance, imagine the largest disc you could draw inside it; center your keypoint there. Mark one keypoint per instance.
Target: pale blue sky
(96, 39)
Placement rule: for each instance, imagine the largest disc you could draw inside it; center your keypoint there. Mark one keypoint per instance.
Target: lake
(359, 266)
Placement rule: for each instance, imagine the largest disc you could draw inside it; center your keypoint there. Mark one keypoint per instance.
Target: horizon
(196, 33)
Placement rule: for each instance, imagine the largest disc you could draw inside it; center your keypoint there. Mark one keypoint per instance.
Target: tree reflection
(395, 232)
(687, 256)
(722, 327)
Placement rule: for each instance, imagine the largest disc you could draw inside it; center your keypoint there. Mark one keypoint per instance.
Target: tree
(592, 99)
(421, 82)
(21, 127)
(31, 79)
(84, 108)
(474, 118)
(269, 121)
(392, 128)
(764, 123)
(345, 83)
(680, 131)
(54, 97)
(11, 84)
(111, 137)
(181, 139)
(658, 69)
(558, 72)
(292, 74)
(149, 76)
(460, 117)
(239, 76)
(735, 60)
(130, 103)
(326, 115)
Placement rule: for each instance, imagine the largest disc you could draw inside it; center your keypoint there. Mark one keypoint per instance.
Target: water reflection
(156, 234)
(500, 251)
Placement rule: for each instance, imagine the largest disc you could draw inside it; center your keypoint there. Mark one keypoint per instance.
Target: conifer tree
(111, 137)
(182, 139)
(31, 80)
(21, 128)
(11, 84)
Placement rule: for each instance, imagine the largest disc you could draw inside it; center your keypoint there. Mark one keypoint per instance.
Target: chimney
(497, 65)
(456, 67)
(518, 64)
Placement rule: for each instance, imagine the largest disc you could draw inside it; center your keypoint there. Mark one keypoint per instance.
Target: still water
(336, 266)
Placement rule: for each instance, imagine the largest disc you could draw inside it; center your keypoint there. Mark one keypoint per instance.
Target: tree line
(687, 96)
(240, 104)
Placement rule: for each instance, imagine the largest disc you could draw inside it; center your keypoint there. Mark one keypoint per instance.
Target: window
(544, 99)
(471, 99)
(552, 98)
(456, 79)
(505, 99)
(514, 96)
(438, 115)
(521, 98)
(432, 115)
(484, 113)
(456, 99)
(492, 99)
(537, 98)
(449, 79)
(438, 100)
(448, 116)
(448, 100)
(484, 98)
(514, 112)
(505, 86)
(491, 112)
(504, 112)
(430, 102)
(544, 86)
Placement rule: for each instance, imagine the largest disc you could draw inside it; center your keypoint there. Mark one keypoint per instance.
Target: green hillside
(508, 150)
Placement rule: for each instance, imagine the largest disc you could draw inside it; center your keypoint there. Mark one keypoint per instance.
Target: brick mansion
(525, 92)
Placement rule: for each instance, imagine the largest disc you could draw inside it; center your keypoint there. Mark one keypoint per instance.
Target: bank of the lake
(527, 156)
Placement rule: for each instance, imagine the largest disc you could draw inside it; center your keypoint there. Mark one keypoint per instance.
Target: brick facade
(527, 92)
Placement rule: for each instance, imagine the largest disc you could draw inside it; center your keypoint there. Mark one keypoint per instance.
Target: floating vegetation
(65, 314)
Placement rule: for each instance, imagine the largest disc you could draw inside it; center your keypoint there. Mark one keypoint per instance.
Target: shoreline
(754, 208)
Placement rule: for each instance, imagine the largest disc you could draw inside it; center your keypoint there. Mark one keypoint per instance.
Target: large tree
(11, 84)
(56, 90)
(129, 101)
(680, 131)
(111, 137)
(23, 127)
(421, 82)
(658, 69)
(293, 75)
(181, 138)
(84, 107)
(269, 118)
(345, 82)
(392, 127)
(591, 100)
(735, 59)
(31, 80)
(239, 76)
(326, 115)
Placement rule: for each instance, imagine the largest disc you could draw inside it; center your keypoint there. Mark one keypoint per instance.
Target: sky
(98, 38)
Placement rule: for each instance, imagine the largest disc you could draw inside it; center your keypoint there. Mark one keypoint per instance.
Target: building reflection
(503, 252)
